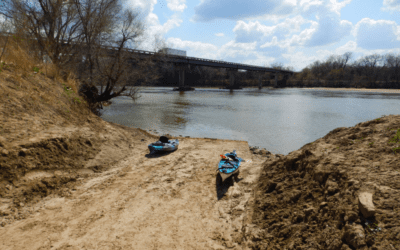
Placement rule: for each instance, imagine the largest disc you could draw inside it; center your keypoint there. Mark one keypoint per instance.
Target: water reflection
(281, 120)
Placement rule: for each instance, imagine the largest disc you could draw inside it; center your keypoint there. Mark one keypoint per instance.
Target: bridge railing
(191, 58)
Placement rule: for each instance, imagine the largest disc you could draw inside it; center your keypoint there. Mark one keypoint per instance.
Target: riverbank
(70, 180)
(396, 91)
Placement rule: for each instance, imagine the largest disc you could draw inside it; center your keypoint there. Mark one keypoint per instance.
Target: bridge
(184, 62)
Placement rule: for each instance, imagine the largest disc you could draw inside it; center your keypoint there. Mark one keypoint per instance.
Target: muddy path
(170, 202)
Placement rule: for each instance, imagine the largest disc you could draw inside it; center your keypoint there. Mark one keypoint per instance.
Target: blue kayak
(162, 147)
(229, 165)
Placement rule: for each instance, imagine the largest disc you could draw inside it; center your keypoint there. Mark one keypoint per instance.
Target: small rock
(23, 152)
(264, 152)
(353, 182)
(354, 236)
(323, 204)
(279, 188)
(365, 204)
(351, 216)
(226, 236)
(345, 247)
(370, 240)
(4, 152)
(309, 211)
(167, 179)
(21, 204)
(2, 141)
(239, 208)
(229, 244)
(236, 193)
(5, 210)
(295, 196)
(271, 186)
(332, 187)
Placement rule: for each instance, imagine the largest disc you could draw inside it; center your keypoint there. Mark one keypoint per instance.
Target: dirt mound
(49, 140)
(339, 192)
(22, 167)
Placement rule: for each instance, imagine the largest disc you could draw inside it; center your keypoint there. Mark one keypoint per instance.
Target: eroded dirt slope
(317, 197)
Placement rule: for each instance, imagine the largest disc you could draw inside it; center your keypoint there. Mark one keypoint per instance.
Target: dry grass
(34, 95)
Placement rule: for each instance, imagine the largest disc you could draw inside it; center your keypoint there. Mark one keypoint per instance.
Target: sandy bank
(359, 89)
(131, 200)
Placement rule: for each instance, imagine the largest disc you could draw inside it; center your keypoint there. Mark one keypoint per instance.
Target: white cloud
(176, 5)
(232, 45)
(391, 5)
(330, 29)
(350, 46)
(203, 48)
(274, 42)
(320, 7)
(227, 9)
(144, 6)
(255, 31)
(219, 34)
(377, 34)
(154, 29)
(298, 60)
(327, 30)
(336, 6)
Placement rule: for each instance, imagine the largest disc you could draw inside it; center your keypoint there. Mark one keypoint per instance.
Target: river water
(280, 120)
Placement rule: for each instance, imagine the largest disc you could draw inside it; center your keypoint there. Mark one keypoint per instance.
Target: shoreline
(357, 89)
(271, 87)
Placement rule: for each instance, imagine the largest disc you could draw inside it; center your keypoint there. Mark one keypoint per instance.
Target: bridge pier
(231, 78)
(259, 81)
(276, 80)
(231, 73)
(181, 69)
(181, 78)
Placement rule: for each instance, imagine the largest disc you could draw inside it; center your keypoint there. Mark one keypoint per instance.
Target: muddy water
(280, 120)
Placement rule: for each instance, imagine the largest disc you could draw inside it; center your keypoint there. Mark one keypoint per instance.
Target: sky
(263, 32)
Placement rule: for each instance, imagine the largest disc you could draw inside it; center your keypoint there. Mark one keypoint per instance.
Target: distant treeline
(372, 71)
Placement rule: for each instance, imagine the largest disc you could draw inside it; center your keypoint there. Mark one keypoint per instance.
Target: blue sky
(262, 32)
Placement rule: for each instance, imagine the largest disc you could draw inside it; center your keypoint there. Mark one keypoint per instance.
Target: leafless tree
(51, 24)
(89, 37)
(392, 62)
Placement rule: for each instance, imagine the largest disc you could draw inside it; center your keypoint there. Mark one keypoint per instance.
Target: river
(280, 120)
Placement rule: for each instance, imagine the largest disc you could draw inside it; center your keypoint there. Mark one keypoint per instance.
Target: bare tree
(89, 37)
(277, 65)
(316, 69)
(392, 62)
(345, 59)
(370, 65)
(52, 26)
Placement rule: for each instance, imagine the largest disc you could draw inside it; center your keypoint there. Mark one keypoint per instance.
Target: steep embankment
(48, 140)
(340, 192)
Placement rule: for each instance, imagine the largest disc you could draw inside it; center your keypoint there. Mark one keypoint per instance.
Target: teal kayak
(162, 147)
(229, 165)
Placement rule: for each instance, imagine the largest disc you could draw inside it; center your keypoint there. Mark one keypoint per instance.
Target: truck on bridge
(170, 51)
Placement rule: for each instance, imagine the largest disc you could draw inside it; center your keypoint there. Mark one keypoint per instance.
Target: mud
(310, 199)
